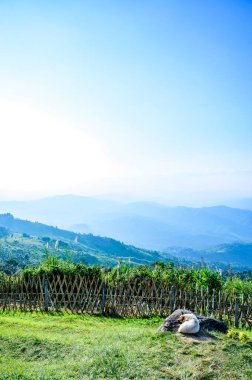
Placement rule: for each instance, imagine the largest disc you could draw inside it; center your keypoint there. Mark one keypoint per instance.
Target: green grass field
(37, 346)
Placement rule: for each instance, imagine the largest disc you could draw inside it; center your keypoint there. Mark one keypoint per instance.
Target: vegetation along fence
(132, 298)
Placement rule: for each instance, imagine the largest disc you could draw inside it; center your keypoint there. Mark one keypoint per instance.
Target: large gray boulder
(211, 324)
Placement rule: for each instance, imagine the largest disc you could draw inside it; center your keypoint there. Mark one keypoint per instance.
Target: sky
(126, 99)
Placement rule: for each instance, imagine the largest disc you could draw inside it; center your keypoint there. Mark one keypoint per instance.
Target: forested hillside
(24, 243)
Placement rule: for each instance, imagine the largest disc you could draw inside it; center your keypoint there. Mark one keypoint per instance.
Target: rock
(172, 323)
(212, 324)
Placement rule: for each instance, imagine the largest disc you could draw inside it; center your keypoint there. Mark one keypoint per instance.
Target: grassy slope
(30, 251)
(72, 347)
(91, 249)
(94, 244)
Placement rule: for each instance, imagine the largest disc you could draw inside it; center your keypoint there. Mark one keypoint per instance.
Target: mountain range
(19, 236)
(25, 243)
(148, 225)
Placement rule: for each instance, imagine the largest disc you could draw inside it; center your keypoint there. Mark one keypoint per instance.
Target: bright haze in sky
(136, 99)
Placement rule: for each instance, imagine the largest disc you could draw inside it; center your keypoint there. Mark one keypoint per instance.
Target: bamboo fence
(135, 298)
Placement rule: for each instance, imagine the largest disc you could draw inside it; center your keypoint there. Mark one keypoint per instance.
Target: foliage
(36, 256)
(54, 266)
(232, 334)
(177, 276)
(243, 337)
(238, 286)
(183, 278)
(238, 335)
(168, 273)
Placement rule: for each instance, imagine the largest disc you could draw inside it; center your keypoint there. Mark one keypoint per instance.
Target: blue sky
(150, 100)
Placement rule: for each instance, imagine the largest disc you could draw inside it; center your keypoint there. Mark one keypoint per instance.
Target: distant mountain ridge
(24, 241)
(147, 225)
(244, 203)
(235, 254)
(97, 249)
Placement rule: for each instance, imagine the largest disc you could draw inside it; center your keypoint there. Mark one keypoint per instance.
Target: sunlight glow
(42, 152)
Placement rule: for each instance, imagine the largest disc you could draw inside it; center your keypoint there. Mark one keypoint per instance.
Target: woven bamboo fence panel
(133, 298)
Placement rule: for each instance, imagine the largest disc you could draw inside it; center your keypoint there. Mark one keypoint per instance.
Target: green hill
(26, 243)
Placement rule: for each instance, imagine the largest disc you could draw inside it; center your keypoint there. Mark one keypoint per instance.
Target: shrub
(163, 274)
(243, 338)
(232, 334)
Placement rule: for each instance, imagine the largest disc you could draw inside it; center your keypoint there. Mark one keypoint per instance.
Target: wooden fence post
(103, 299)
(202, 309)
(236, 311)
(172, 298)
(207, 301)
(241, 306)
(196, 299)
(213, 302)
(46, 295)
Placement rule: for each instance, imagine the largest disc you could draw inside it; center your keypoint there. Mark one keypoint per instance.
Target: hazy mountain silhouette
(25, 242)
(144, 224)
(245, 203)
(236, 253)
(98, 249)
